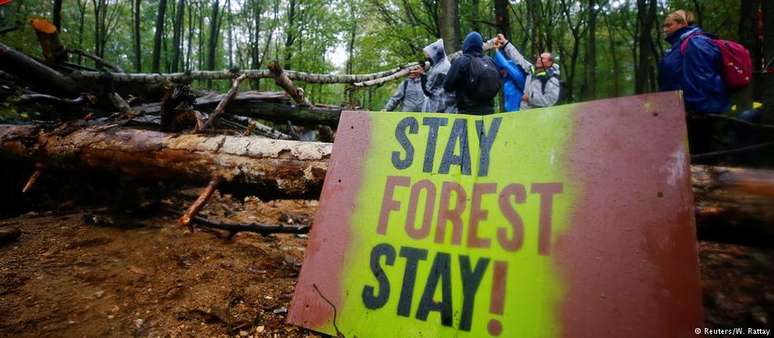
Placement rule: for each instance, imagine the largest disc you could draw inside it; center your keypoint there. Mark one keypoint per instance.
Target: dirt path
(66, 277)
(69, 277)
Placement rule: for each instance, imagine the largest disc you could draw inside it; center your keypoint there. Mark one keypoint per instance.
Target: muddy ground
(88, 272)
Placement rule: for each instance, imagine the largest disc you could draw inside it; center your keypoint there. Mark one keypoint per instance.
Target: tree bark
(136, 35)
(212, 47)
(290, 35)
(43, 78)
(48, 37)
(729, 201)
(590, 80)
(275, 168)
(282, 80)
(502, 19)
(155, 68)
(449, 24)
(272, 106)
(177, 35)
(646, 16)
(734, 204)
(56, 14)
(81, 24)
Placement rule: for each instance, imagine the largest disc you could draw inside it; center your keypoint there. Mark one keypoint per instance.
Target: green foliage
(380, 33)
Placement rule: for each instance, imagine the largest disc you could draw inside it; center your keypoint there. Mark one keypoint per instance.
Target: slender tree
(502, 19)
(136, 34)
(212, 46)
(590, 80)
(290, 35)
(644, 78)
(449, 25)
(157, 37)
(56, 14)
(177, 35)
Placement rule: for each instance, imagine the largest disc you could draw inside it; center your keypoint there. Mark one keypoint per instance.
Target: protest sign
(572, 221)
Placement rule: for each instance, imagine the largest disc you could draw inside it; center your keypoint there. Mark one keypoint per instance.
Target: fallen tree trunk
(271, 106)
(732, 204)
(273, 167)
(44, 78)
(282, 80)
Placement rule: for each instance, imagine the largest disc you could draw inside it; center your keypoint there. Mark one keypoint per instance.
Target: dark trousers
(701, 131)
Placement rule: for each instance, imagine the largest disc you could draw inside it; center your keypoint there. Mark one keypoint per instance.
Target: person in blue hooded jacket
(696, 71)
(513, 81)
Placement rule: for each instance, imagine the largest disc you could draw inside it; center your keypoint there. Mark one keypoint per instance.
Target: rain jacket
(697, 73)
(459, 73)
(513, 82)
(437, 99)
(542, 88)
(408, 95)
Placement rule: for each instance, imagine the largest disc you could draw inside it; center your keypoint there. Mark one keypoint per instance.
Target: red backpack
(737, 63)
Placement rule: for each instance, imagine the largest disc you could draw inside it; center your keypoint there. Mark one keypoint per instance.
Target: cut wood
(273, 168)
(48, 37)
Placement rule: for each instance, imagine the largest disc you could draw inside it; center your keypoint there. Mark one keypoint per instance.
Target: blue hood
(473, 43)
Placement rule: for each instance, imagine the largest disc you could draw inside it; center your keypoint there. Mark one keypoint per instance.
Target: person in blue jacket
(513, 81)
(696, 70)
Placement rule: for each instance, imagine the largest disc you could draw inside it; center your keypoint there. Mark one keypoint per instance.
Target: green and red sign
(571, 221)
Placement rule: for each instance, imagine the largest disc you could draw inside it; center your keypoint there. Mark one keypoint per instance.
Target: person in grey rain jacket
(409, 95)
(542, 86)
(438, 100)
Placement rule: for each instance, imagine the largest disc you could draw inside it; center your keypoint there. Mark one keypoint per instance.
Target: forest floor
(75, 273)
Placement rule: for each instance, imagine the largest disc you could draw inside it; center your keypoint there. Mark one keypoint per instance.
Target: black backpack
(484, 80)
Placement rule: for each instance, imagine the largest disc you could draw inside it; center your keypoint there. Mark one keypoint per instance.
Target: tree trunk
(155, 68)
(282, 80)
(502, 20)
(81, 25)
(590, 80)
(189, 41)
(730, 202)
(230, 22)
(255, 57)
(645, 19)
(614, 58)
(734, 204)
(474, 10)
(275, 167)
(290, 36)
(212, 47)
(56, 14)
(448, 23)
(43, 78)
(48, 37)
(177, 35)
(136, 31)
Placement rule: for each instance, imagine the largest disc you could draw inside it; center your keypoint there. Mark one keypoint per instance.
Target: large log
(731, 203)
(44, 78)
(271, 106)
(272, 167)
(734, 204)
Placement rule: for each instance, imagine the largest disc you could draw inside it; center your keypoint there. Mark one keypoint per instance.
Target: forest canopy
(606, 48)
